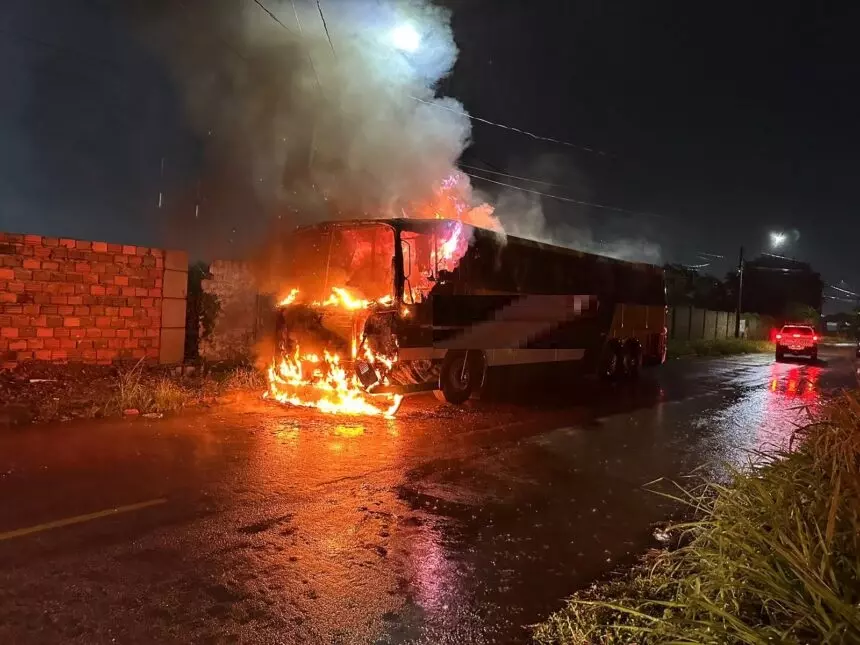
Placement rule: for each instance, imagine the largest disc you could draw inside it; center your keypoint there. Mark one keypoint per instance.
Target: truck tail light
(815, 339)
(779, 336)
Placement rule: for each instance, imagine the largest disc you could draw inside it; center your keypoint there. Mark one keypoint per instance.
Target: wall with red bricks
(73, 300)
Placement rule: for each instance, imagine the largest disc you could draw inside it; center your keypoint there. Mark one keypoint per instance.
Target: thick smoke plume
(322, 125)
(308, 121)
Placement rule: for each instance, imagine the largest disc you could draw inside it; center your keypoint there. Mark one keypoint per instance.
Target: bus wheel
(460, 376)
(612, 365)
(632, 359)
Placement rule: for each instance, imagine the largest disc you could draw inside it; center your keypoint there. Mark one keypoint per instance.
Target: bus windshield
(358, 259)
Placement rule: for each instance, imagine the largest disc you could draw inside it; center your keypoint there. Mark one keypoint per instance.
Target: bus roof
(424, 225)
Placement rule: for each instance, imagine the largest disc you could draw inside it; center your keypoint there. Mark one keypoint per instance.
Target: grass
(771, 556)
(244, 378)
(721, 347)
(137, 390)
(39, 393)
(146, 392)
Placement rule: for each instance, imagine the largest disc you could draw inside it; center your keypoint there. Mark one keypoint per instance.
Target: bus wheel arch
(462, 374)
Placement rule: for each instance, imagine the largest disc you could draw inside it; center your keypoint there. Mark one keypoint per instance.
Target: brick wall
(74, 300)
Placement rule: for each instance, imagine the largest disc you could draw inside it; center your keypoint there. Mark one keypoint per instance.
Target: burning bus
(377, 309)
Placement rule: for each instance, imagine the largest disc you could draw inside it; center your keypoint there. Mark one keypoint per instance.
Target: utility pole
(740, 293)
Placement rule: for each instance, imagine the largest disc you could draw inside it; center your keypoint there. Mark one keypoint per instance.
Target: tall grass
(245, 378)
(138, 390)
(772, 556)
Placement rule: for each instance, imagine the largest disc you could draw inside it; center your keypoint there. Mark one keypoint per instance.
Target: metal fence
(691, 323)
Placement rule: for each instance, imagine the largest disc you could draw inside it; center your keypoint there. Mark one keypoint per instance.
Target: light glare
(405, 37)
(777, 240)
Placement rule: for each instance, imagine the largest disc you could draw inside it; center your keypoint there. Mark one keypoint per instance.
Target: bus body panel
(458, 288)
(522, 302)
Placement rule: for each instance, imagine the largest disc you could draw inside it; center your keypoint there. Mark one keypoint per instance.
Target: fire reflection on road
(354, 542)
(422, 525)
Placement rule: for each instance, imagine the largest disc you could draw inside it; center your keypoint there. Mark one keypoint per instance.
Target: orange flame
(308, 380)
(339, 297)
(311, 382)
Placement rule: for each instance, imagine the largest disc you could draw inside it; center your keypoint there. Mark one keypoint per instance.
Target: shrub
(138, 390)
(772, 556)
(720, 347)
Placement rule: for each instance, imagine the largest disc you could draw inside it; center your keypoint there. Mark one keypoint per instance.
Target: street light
(777, 240)
(405, 38)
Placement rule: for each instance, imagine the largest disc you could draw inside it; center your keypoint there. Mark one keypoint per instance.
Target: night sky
(720, 122)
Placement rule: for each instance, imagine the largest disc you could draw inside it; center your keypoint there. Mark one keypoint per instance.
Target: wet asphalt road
(254, 523)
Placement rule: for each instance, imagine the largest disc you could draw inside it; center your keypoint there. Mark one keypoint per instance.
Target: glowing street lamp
(405, 38)
(777, 240)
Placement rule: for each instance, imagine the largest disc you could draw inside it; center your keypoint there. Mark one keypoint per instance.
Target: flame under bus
(376, 309)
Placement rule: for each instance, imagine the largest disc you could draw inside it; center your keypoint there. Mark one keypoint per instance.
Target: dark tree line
(778, 287)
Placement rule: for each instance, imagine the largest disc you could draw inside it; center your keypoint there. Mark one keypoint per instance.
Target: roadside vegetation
(44, 393)
(720, 347)
(770, 556)
(138, 391)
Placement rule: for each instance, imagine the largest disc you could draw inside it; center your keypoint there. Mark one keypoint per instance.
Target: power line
(272, 15)
(549, 183)
(850, 293)
(566, 199)
(782, 257)
(296, 14)
(436, 104)
(504, 174)
(301, 32)
(748, 266)
(325, 26)
(538, 137)
(840, 299)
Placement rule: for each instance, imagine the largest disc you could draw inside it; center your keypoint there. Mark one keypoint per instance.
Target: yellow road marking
(78, 519)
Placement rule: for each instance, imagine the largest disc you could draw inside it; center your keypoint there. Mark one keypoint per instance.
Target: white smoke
(524, 214)
(342, 124)
(313, 121)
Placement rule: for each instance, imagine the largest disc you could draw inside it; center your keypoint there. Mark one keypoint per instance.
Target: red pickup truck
(797, 340)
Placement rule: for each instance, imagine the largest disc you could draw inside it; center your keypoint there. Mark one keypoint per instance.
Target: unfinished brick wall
(234, 332)
(96, 302)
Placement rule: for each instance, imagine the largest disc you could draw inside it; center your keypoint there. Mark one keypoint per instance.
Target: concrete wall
(173, 307)
(697, 324)
(760, 327)
(690, 323)
(710, 329)
(235, 330)
(96, 302)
